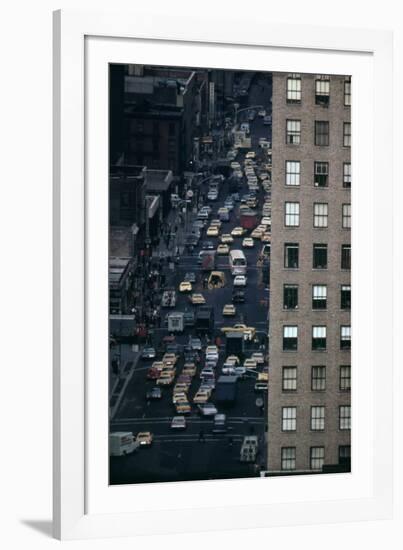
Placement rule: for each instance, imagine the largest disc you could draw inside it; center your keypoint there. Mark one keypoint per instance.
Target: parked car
(190, 277)
(238, 297)
(248, 242)
(229, 310)
(201, 396)
(185, 286)
(222, 249)
(148, 353)
(207, 409)
(154, 393)
(144, 439)
(208, 245)
(195, 344)
(212, 353)
(240, 280)
(258, 357)
(178, 423)
(197, 299)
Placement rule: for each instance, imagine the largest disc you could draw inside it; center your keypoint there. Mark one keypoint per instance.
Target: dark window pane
(291, 255)
(346, 256)
(290, 298)
(320, 256)
(345, 297)
(321, 132)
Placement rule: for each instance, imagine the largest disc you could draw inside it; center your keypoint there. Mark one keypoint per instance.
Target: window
(319, 256)
(345, 378)
(319, 296)
(346, 256)
(288, 455)
(345, 297)
(294, 89)
(347, 175)
(346, 216)
(322, 91)
(293, 135)
(291, 255)
(289, 419)
(347, 134)
(318, 338)
(292, 172)
(321, 174)
(317, 418)
(291, 214)
(318, 378)
(345, 337)
(290, 338)
(344, 454)
(347, 92)
(290, 296)
(345, 417)
(289, 378)
(317, 457)
(320, 214)
(321, 132)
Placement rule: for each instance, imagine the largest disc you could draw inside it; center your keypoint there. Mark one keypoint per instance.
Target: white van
(122, 443)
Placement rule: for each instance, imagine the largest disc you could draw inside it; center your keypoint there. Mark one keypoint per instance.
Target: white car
(178, 423)
(265, 221)
(212, 195)
(258, 357)
(212, 353)
(240, 280)
(250, 155)
(248, 242)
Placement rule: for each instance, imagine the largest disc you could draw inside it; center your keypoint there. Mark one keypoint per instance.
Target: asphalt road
(196, 452)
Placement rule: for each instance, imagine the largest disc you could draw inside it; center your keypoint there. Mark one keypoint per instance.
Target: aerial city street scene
(229, 274)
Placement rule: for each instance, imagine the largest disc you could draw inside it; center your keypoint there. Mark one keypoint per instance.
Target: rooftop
(126, 170)
(120, 241)
(158, 180)
(118, 267)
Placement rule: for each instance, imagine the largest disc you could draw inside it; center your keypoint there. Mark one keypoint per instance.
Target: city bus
(237, 262)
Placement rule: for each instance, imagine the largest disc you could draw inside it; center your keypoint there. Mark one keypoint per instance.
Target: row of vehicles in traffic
(201, 377)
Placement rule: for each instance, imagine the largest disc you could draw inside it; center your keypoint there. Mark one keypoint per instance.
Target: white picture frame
(84, 43)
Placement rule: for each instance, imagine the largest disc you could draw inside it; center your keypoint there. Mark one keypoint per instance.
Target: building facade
(162, 114)
(309, 415)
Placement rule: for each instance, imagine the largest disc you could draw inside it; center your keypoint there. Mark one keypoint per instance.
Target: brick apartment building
(310, 332)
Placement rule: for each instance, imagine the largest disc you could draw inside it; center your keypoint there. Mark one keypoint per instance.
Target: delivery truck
(249, 219)
(225, 390)
(204, 319)
(234, 344)
(122, 443)
(176, 321)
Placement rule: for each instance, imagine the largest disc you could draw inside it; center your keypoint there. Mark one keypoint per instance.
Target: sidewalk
(177, 238)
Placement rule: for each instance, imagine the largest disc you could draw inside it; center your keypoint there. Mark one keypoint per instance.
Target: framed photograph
(220, 234)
